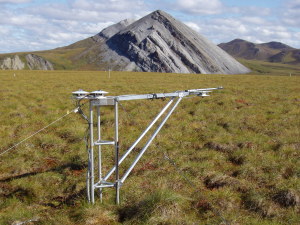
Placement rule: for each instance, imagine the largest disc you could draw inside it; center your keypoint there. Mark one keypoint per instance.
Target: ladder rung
(103, 184)
(101, 142)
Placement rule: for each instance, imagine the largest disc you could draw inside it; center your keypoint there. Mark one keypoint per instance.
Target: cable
(86, 139)
(74, 110)
(80, 111)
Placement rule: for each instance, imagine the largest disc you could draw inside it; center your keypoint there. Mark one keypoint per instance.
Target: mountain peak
(160, 13)
(160, 43)
(156, 43)
(276, 45)
(238, 40)
(115, 28)
(272, 51)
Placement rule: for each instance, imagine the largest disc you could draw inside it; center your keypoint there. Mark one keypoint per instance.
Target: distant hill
(26, 61)
(155, 43)
(269, 52)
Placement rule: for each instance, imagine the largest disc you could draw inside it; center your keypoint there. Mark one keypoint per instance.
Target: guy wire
(74, 110)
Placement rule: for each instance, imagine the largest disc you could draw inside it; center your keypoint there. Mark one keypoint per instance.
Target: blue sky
(29, 25)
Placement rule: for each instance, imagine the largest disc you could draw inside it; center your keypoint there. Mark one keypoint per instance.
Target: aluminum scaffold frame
(98, 99)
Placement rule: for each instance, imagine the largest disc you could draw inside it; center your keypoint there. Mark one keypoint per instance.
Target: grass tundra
(236, 152)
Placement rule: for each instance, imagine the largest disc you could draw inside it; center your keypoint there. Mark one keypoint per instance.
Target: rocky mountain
(159, 43)
(30, 61)
(271, 51)
(154, 43)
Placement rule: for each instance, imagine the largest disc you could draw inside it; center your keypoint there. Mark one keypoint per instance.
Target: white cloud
(224, 30)
(25, 20)
(15, 1)
(4, 30)
(290, 12)
(254, 20)
(293, 4)
(54, 24)
(91, 11)
(109, 5)
(194, 26)
(200, 6)
(51, 24)
(251, 11)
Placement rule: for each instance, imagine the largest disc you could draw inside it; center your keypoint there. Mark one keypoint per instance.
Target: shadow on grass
(69, 200)
(143, 210)
(72, 166)
(22, 194)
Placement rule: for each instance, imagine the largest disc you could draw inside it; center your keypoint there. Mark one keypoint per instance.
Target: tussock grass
(239, 148)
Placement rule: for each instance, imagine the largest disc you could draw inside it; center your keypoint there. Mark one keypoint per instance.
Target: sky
(31, 25)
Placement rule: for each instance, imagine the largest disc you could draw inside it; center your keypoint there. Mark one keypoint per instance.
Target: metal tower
(97, 99)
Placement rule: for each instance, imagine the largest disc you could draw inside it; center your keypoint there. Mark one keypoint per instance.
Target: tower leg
(117, 186)
(92, 178)
(99, 150)
(88, 190)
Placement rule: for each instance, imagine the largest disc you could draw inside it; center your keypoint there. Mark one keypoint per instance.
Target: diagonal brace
(149, 141)
(139, 139)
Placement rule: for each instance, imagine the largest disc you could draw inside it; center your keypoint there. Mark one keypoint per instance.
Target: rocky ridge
(160, 43)
(12, 63)
(36, 62)
(33, 62)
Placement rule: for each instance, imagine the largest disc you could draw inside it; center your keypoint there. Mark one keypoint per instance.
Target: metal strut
(98, 99)
(149, 141)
